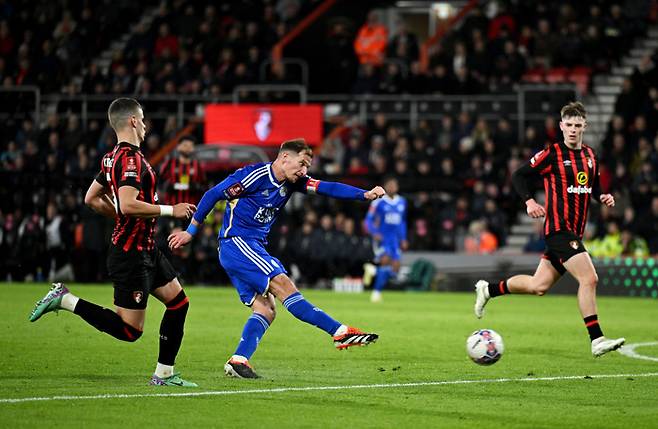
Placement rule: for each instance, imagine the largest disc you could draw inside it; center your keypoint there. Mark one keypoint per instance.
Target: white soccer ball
(485, 346)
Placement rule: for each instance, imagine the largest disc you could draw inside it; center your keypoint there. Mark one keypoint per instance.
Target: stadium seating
(209, 49)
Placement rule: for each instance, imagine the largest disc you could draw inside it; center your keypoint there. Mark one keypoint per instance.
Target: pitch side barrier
(629, 276)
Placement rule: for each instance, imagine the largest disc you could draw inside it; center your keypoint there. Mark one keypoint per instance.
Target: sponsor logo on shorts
(579, 189)
(574, 244)
(138, 295)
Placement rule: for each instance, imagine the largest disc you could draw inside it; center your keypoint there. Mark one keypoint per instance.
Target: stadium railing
(529, 103)
(302, 64)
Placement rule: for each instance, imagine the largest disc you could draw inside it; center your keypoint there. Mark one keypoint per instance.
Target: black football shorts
(135, 274)
(560, 246)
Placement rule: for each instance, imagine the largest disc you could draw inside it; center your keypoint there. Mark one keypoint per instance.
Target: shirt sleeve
(541, 160)
(228, 189)
(100, 178)
(341, 191)
(522, 178)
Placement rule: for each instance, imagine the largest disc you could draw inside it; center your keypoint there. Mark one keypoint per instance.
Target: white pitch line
(629, 350)
(314, 388)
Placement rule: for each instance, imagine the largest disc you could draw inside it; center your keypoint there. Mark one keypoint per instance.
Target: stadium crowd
(455, 172)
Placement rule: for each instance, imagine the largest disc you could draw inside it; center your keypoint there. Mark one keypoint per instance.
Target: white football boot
(481, 297)
(603, 345)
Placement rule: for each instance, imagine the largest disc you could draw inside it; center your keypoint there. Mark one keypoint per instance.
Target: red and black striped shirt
(126, 166)
(571, 180)
(184, 182)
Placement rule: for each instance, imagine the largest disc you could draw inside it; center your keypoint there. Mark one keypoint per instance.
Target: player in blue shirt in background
(255, 195)
(387, 224)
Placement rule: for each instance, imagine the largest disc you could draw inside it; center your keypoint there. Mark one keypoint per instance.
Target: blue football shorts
(392, 250)
(249, 266)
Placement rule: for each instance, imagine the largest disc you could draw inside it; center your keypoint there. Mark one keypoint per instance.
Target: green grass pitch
(422, 340)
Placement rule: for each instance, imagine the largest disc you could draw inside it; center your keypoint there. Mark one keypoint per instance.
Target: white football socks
(342, 329)
(69, 301)
(164, 371)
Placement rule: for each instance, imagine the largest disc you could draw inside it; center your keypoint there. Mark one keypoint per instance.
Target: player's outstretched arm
(344, 192)
(98, 200)
(131, 206)
(229, 188)
(181, 238)
(374, 193)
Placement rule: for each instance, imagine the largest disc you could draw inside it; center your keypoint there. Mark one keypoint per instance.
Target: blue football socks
(306, 312)
(384, 273)
(253, 331)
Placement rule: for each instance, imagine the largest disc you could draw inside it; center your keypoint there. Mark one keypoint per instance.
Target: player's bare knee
(590, 281)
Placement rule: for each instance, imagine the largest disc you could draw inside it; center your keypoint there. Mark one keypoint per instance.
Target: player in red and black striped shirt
(182, 177)
(570, 172)
(125, 190)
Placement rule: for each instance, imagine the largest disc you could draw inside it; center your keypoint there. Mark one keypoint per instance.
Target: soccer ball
(485, 346)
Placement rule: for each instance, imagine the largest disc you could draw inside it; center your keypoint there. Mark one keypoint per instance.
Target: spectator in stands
(545, 44)
(371, 40)
(403, 45)
(648, 226)
(341, 58)
(479, 239)
(166, 43)
(536, 241)
(633, 245)
(611, 243)
(182, 177)
(367, 81)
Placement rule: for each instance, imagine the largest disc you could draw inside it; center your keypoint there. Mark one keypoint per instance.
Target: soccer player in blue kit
(255, 195)
(387, 224)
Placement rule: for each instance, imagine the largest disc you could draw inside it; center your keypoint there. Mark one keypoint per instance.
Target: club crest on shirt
(138, 295)
(574, 244)
(589, 162)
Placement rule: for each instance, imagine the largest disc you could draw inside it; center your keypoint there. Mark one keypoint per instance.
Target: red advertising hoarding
(264, 125)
